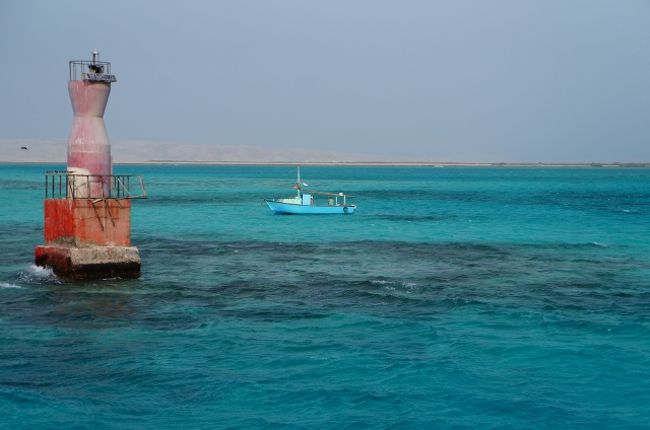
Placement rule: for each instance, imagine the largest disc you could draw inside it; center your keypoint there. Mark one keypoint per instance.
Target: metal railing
(65, 185)
(98, 71)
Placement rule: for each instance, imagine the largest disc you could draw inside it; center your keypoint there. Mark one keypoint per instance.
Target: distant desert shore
(352, 163)
(146, 152)
(387, 163)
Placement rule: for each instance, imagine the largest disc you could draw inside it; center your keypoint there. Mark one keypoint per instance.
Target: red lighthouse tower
(87, 208)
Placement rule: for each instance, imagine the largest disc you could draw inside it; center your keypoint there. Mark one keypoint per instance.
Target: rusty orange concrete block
(88, 222)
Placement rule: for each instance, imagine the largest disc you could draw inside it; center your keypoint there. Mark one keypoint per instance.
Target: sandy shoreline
(353, 163)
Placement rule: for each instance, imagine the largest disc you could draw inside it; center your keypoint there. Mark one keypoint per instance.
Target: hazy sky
(437, 80)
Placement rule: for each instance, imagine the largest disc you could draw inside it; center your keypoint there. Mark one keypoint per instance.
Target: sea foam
(38, 273)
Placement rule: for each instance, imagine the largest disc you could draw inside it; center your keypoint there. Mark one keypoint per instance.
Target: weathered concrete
(89, 262)
(88, 222)
(88, 239)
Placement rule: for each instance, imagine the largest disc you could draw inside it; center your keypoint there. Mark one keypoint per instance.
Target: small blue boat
(304, 203)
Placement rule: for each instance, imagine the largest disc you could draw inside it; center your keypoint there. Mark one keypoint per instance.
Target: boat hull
(295, 209)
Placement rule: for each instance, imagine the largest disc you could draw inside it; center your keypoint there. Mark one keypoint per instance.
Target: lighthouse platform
(88, 225)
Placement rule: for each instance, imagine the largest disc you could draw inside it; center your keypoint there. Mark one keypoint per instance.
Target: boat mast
(298, 183)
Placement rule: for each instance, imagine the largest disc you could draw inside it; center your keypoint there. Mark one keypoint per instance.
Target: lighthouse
(87, 209)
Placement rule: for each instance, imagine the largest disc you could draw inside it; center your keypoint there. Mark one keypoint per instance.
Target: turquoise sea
(496, 298)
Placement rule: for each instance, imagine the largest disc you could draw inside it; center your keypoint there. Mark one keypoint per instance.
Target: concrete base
(90, 262)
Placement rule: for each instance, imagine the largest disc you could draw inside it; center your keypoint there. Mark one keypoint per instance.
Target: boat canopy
(324, 193)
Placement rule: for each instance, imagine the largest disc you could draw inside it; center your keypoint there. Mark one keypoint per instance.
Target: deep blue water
(453, 298)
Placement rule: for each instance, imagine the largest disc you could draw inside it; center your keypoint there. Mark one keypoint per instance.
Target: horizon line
(363, 163)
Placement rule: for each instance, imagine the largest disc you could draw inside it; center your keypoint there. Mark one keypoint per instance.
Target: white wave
(6, 285)
(408, 287)
(380, 282)
(41, 272)
(38, 273)
(602, 245)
